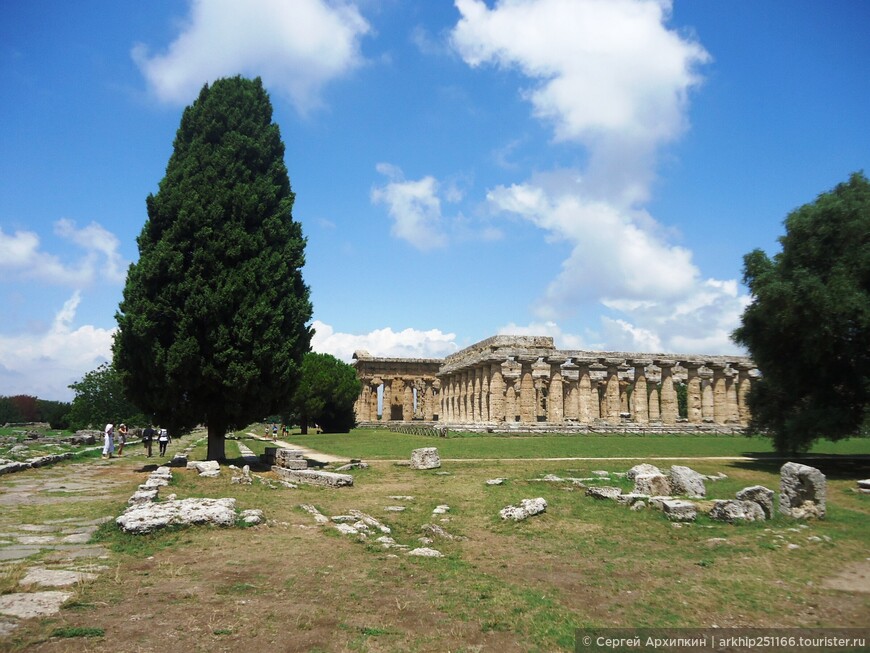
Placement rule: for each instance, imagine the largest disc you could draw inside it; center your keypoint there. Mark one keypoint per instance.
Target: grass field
(293, 585)
(381, 444)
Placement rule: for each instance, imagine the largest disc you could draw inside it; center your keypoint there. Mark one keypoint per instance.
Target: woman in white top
(109, 442)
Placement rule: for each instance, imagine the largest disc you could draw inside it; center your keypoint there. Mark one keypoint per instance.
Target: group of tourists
(148, 435)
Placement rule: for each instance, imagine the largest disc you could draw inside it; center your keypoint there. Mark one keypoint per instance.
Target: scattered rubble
(526, 509)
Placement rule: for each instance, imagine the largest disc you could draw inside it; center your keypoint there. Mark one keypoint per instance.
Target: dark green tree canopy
(808, 326)
(213, 323)
(327, 391)
(100, 398)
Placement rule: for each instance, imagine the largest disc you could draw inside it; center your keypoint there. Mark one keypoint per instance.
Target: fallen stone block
(368, 520)
(314, 477)
(425, 458)
(425, 552)
(677, 510)
(657, 502)
(184, 512)
(643, 468)
(760, 495)
(733, 510)
(526, 509)
(802, 491)
(319, 517)
(685, 481)
(631, 498)
(290, 459)
(253, 516)
(603, 492)
(652, 484)
(143, 495)
(33, 604)
(204, 465)
(434, 530)
(496, 481)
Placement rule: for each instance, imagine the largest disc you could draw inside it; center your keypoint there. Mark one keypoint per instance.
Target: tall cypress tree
(213, 322)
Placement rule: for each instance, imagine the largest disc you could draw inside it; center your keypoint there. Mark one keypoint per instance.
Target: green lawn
(380, 444)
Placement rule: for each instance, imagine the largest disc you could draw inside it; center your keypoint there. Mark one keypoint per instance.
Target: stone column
(527, 393)
(744, 383)
(707, 396)
(373, 398)
(510, 401)
(611, 392)
(462, 396)
(484, 393)
(669, 394)
(407, 401)
(477, 395)
(587, 404)
(428, 402)
(496, 393)
(720, 396)
(731, 396)
(387, 401)
(640, 393)
(693, 392)
(571, 407)
(555, 397)
(655, 413)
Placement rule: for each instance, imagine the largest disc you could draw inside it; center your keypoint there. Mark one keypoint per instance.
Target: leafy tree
(808, 326)
(327, 391)
(26, 407)
(212, 326)
(9, 411)
(54, 412)
(100, 398)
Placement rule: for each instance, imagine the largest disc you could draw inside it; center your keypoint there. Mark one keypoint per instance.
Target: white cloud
(409, 343)
(296, 47)
(21, 256)
(44, 364)
(414, 207)
(609, 76)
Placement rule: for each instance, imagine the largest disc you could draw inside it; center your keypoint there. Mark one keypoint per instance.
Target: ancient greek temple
(523, 383)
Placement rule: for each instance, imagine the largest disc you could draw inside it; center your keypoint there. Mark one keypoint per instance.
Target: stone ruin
(291, 466)
(802, 491)
(510, 383)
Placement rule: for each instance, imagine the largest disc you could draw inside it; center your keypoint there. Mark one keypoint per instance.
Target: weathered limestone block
(425, 552)
(603, 492)
(204, 465)
(425, 458)
(152, 516)
(319, 517)
(496, 481)
(290, 459)
(357, 465)
(760, 495)
(631, 499)
(368, 520)
(687, 482)
(679, 511)
(314, 477)
(732, 510)
(526, 509)
(252, 516)
(802, 491)
(643, 468)
(652, 484)
(434, 530)
(143, 495)
(864, 485)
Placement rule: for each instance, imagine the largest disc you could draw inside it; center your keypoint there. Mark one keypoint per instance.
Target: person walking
(109, 441)
(122, 437)
(148, 439)
(163, 440)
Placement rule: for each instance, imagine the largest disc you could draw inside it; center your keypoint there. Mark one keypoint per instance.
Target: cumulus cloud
(409, 343)
(414, 206)
(21, 256)
(296, 47)
(44, 364)
(611, 78)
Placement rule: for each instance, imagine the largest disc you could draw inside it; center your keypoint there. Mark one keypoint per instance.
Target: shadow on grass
(839, 467)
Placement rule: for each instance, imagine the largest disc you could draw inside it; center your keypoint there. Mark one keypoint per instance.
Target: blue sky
(590, 170)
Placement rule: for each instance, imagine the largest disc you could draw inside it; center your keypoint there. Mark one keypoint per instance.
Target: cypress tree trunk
(217, 438)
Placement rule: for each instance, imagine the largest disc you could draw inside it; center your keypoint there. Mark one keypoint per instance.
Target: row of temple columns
(494, 392)
(404, 398)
